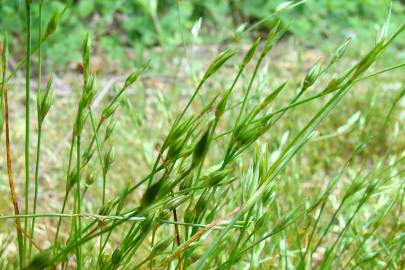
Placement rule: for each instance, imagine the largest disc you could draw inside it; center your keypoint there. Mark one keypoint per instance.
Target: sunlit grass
(241, 174)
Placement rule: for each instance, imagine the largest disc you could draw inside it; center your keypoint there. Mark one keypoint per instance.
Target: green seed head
(71, 180)
(216, 177)
(333, 85)
(88, 93)
(41, 260)
(311, 76)
(220, 109)
(271, 38)
(133, 77)
(218, 62)
(176, 201)
(251, 52)
(151, 193)
(90, 178)
(189, 214)
(175, 149)
(109, 110)
(105, 209)
(340, 51)
(109, 130)
(52, 24)
(78, 126)
(116, 257)
(248, 134)
(86, 57)
(108, 160)
(201, 147)
(272, 96)
(87, 156)
(122, 200)
(44, 101)
(201, 205)
(160, 247)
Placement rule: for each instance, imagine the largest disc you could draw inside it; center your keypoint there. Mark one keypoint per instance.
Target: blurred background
(124, 30)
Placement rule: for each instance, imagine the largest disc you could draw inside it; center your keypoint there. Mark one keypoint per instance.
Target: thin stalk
(27, 115)
(99, 146)
(118, 217)
(11, 182)
(60, 218)
(95, 130)
(238, 118)
(39, 130)
(34, 210)
(79, 203)
(173, 127)
(67, 191)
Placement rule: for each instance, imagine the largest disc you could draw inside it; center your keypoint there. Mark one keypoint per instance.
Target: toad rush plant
(198, 207)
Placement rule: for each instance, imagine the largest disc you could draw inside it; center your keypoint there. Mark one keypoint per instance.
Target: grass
(259, 168)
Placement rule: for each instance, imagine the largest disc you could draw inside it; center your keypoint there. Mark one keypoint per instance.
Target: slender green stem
(67, 191)
(117, 217)
(238, 118)
(78, 207)
(39, 130)
(60, 218)
(34, 210)
(95, 130)
(99, 146)
(27, 116)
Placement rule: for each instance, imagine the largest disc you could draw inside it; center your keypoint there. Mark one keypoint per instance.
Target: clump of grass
(199, 206)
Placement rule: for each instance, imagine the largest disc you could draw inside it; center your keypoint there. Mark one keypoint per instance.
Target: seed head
(87, 155)
(133, 77)
(272, 96)
(151, 193)
(41, 260)
(108, 160)
(176, 201)
(216, 177)
(88, 93)
(201, 147)
(311, 76)
(251, 52)
(71, 180)
(109, 110)
(218, 62)
(333, 85)
(271, 38)
(220, 109)
(106, 208)
(110, 128)
(44, 101)
(160, 247)
(116, 257)
(247, 134)
(90, 178)
(175, 149)
(52, 24)
(86, 57)
(340, 51)
(78, 125)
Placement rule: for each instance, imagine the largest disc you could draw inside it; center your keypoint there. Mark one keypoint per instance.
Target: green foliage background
(136, 24)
